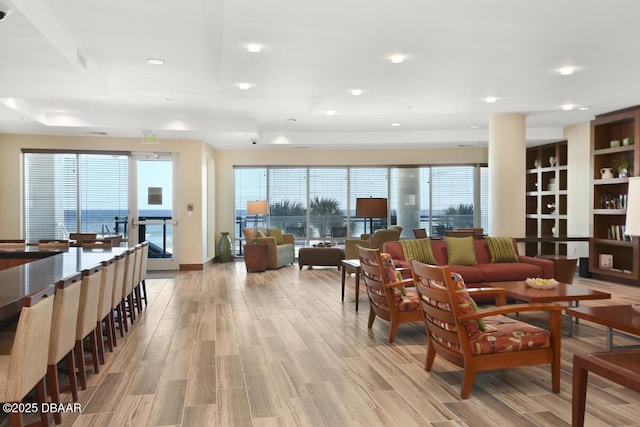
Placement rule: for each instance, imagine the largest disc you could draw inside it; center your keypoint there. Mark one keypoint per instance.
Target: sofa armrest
(289, 238)
(350, 247)
(545, 264)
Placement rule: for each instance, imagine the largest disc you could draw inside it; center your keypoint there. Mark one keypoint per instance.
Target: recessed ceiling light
(356, 92)
(490, 99)
(395, 125)
(61, 111)
(330, 112)
(584, 108)
(568, 107)
(397, 59)
(169, 99)
(155, 61)
(290, 120)
(475, 127)
(244, 86)
(254, 47)
(566, 71)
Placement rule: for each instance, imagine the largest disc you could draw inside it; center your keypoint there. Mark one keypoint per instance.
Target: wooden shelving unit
(609, 195)
(546, 199)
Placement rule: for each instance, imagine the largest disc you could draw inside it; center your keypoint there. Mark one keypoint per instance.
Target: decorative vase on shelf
(622, 173)
(224, 247)
(607, 173)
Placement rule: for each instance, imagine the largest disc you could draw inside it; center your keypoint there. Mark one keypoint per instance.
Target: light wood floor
(221, 347)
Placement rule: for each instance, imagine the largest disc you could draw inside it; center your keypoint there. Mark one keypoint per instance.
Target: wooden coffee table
(621, 367)
(563, 292)
(614, 317)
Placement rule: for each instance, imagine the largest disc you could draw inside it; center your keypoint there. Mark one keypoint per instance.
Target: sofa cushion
(260, 234)
(501, 249)
(460, 250)
(277, 233)
(470, 273)
(504, 272)
(418, 249)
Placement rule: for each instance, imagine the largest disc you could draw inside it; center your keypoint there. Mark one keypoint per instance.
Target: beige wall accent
(193, 159)
(507, 157)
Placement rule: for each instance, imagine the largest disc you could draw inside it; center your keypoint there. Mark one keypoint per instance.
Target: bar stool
(142, 285)
(135, 289)
(104, 306)
(13, 244)
(116, 301)
(62, 342)
(86, 326)
(97, 244)
(125, 302)
(127, 291)
(26, 366)
(53, 244)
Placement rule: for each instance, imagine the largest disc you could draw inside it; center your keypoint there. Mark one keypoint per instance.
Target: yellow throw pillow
(260, 234)
(501, 249)
(460, 250)
(277, 233)
(418, 249)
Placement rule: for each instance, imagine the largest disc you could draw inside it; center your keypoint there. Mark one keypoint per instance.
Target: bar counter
(17, 282)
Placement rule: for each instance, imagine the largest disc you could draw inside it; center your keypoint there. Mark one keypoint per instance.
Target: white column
(507, 162)
(409, 200)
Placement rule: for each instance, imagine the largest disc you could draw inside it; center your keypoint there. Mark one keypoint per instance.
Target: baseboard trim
(191, 267)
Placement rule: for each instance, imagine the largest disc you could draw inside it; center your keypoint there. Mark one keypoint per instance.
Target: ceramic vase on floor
(224, 247)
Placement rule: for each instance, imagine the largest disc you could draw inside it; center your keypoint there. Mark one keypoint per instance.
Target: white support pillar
(507, 162)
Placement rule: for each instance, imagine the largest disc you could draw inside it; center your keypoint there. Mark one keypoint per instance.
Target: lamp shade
(372, 207)
(257, 208)
(632, 226)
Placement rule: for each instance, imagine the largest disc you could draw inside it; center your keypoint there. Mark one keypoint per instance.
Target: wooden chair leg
(42, 398)
(372, 317)
(71, 366)
(131, 309)
(431, 356)
(93, 341)
(112, 326)
(54, 389)
(138, 298)
(144, 291)
(392, 331)
(80, 361)
(99, 342)
(109, 332)
(468, 377)
(16, 418)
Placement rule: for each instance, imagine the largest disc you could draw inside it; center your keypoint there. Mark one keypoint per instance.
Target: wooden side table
(255, 257)
(621, 367)
(564, 267)
(351, 266)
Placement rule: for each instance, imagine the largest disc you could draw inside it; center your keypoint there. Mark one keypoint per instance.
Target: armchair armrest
(405, 282)
(553, 309)
(289, 238)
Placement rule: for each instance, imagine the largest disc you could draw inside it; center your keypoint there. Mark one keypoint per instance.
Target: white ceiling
(458, 53)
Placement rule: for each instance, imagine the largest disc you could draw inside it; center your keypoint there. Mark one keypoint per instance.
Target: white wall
(579, 185)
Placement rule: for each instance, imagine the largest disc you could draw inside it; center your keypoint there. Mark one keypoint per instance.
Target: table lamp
(256, 208)
(632, 224)
(372, 207)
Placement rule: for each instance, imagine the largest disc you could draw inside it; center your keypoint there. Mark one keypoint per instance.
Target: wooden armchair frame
(473, 363)
(380, 291)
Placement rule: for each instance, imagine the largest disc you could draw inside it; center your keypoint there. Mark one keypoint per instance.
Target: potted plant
(624, 164)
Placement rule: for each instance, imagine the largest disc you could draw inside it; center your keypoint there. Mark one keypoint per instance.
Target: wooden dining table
(47, 268)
